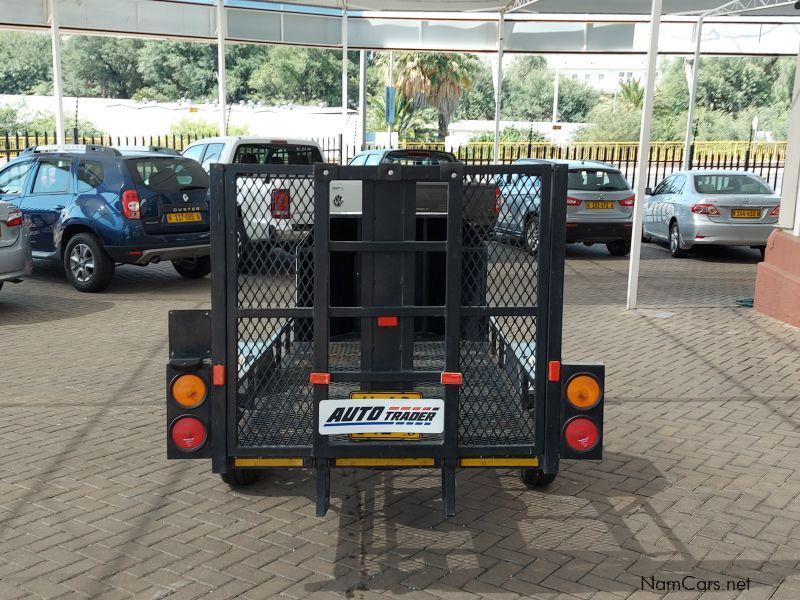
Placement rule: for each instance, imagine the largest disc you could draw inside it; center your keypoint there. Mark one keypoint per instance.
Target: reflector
(583, 391)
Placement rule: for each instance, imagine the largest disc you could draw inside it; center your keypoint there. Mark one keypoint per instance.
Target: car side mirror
(648, 191)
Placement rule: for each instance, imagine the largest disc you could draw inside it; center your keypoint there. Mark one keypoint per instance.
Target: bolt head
(391, 171)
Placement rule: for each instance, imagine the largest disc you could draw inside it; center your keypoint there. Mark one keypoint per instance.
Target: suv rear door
(173, 193)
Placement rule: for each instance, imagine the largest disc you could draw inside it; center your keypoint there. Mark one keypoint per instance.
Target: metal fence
(763, 158)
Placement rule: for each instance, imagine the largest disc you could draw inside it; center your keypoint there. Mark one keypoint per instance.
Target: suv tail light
(14, 218)
(130, 204)
(573, 201)
(627, 201)
(281, 204)
(498, 200)
(775, 212)
(705, 209)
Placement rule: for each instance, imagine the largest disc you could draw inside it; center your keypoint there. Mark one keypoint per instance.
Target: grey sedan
(723, 207)
(15, 247)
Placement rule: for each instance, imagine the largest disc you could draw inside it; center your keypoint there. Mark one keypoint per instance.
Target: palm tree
(631, 94)
(411, 122)
(437, 80)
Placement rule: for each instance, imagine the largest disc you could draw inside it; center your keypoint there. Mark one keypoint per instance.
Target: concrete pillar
(777, 292)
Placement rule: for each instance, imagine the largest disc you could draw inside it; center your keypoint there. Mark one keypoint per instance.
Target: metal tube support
(692, 93)
(644, 152)
(223, 121)
(362, 99)
(57, 90)
(499, 87)
(344, 69)
(556, 83)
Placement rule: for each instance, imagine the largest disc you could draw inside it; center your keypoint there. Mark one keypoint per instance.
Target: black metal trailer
(385, 337)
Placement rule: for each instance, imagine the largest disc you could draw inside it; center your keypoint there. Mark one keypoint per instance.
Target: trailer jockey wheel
(240, 477)
(535, 478)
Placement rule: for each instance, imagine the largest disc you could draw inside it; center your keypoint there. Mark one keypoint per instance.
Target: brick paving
(700, 476)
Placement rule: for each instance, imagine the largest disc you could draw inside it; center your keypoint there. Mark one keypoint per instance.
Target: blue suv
(93, 207)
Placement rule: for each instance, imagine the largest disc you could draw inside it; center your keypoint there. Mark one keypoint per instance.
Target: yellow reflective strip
(500, 462)
(268, 462)
(384, 462)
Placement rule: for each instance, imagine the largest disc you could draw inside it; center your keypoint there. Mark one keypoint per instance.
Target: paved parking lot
(701, 475)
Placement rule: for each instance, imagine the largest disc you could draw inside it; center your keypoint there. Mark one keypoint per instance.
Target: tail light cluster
(14, 218)
(281, 204)
(130, 205)
(188, 411)
(775, 212)
(582, 411)
(629, 201)
(573, 201)
(498, 200)
(705, 209)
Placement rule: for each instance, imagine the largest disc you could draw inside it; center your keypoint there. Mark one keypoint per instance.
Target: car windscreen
(730, 184)
(419, 157)
(596, 180)
(167, 175)
(277, 154)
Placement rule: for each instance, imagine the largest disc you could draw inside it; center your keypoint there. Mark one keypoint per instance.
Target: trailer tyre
(536, 478)
(240, 477)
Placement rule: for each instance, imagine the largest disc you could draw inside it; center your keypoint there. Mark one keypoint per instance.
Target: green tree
(172, 70)
(96, 66)
(241, 62)
(732, 84)
(477, 102)
(412, 123)
(305, 76)
(203, 128)
(437, 80)
(26, 63)
(631, 94)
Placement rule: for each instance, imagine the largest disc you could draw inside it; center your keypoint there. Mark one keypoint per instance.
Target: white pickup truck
(277, 210)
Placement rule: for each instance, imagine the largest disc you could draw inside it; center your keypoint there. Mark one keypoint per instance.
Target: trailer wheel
(536, 478)
(240, 477)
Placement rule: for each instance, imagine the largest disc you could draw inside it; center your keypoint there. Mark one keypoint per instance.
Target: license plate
(746, 213)
(189, 217)
(397, 435)
(380, 413)
(600, 205)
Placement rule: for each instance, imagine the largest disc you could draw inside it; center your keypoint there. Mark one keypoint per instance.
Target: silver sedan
(15, 246)
(722, 207)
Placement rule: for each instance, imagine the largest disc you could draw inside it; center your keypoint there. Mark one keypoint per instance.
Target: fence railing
(763, 158)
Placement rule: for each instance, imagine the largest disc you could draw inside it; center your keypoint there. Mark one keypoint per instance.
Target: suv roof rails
(72, 149)
(158, 149)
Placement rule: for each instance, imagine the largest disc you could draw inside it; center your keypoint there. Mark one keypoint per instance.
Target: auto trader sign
(373, 416)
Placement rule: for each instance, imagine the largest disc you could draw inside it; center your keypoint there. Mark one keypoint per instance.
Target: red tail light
(130, 205)
(775, 212)
(498, 200)
(281, 204)
(188, 433)
(573, 201)
(14, 218)
(705, 209)
(581, 434)
(627, 201)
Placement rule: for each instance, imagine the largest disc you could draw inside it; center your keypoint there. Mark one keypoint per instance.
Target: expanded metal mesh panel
(274, 396)
(274, 249)
(500, 266)
(497, 353)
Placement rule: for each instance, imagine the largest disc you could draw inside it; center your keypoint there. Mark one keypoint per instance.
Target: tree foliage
(26, 64)
(510, 134)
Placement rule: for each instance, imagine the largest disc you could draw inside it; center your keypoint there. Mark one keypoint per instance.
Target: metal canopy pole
(223, 122)
(499, 87)
(344, 68)
(57, 91)
(362, 99)
(644, 153)
(692, 93)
